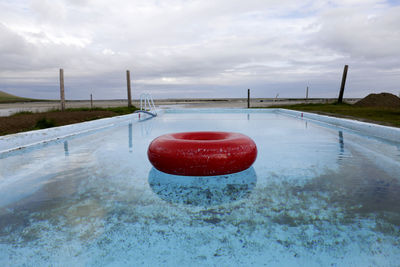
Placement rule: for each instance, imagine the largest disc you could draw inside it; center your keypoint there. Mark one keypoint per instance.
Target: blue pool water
(316, 196)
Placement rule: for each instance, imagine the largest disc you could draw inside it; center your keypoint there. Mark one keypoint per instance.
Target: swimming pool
(317, 195)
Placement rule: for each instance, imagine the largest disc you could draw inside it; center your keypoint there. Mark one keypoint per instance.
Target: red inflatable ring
(202, 153)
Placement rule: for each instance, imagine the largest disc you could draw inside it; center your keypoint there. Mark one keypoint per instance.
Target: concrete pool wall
(25, 139)
(21, 140)
(371, 129)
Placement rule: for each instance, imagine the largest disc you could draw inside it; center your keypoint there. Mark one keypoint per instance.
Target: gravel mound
(379, 100)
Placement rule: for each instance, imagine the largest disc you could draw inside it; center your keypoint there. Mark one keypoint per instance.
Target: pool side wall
(385, 132)
(20, 140)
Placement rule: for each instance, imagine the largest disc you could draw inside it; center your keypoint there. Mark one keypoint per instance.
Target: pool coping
(18, 141)
(366, 128)
(22, 140)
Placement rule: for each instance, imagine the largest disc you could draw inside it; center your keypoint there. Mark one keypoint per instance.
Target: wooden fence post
(340, 99)
(91, 101)
(128, 85)
(307, 93)
(62, 95)
(248, 98)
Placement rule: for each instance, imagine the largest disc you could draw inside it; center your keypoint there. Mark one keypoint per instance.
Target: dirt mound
(379, 100)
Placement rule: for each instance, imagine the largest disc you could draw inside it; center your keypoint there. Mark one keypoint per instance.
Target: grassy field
(9, 98)
(116, 110)
(27, 121)
(379, 115)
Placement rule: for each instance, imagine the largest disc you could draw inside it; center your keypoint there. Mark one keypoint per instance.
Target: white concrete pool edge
(17, 141)
(371, 129)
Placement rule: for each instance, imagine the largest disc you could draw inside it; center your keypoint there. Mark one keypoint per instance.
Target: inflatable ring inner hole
(202, 136)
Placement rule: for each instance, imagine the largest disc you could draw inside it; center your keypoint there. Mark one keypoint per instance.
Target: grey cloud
(361, 35)
(13, 49)
(49, 11)
(216, 47)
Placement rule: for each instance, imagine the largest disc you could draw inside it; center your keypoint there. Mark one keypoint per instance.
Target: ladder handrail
(147, 104)
(145, 111)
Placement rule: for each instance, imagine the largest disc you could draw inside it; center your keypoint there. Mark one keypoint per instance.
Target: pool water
(316, 196)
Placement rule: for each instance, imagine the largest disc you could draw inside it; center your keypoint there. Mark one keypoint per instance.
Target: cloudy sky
(197, 48)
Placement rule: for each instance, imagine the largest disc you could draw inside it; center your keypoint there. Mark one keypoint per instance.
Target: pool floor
(316, 196)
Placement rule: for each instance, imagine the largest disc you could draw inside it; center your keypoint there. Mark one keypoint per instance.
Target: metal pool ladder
(147, 105)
